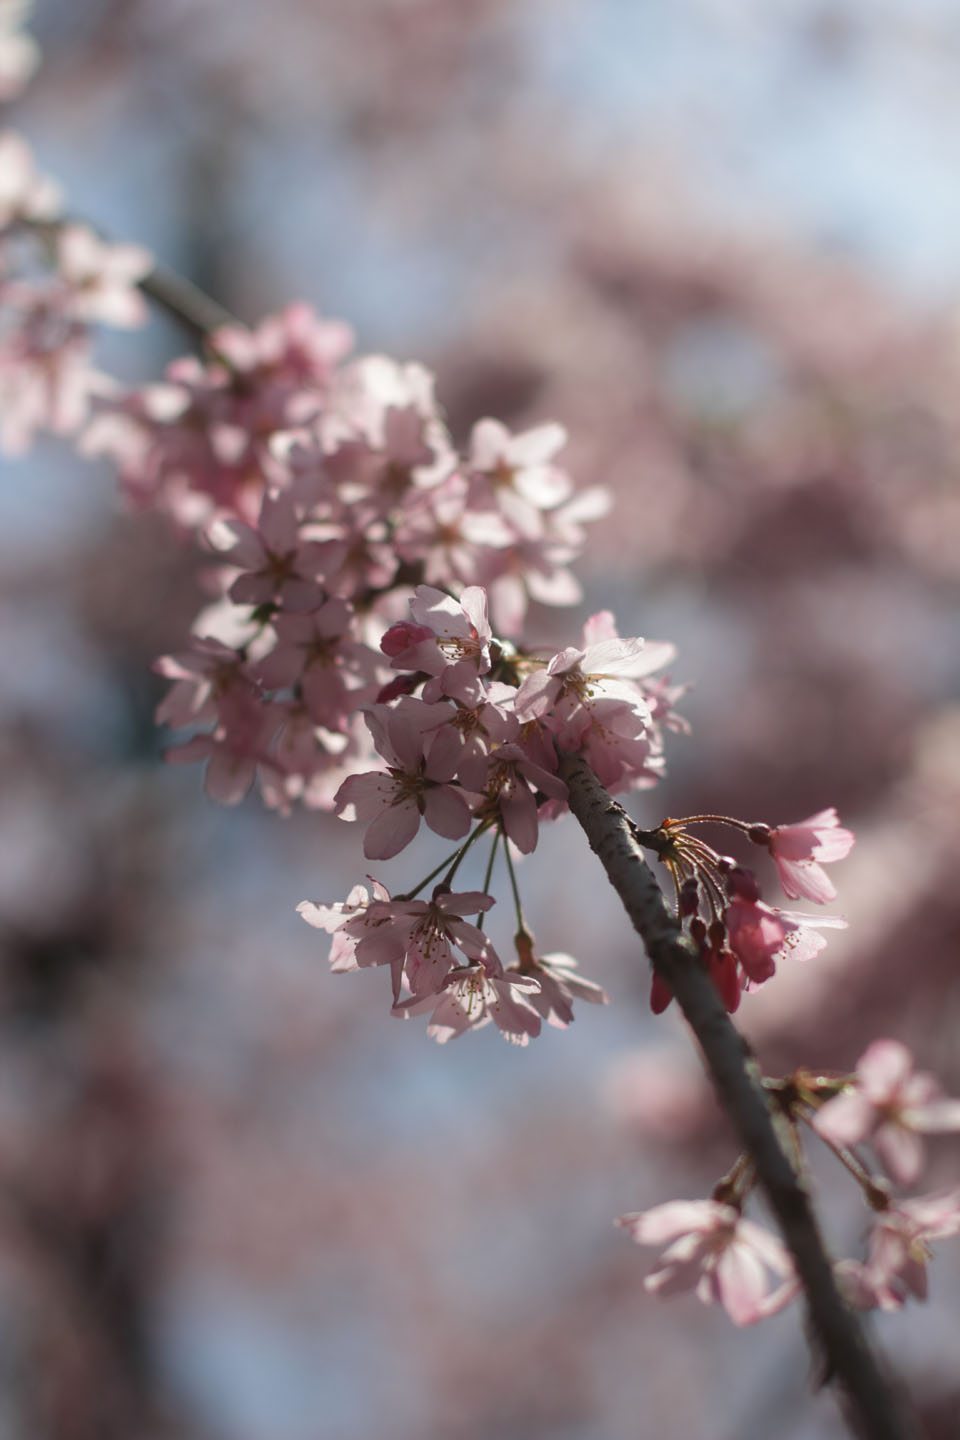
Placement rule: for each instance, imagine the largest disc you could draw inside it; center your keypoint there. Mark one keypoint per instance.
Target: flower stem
(514, 887)
(488, 872)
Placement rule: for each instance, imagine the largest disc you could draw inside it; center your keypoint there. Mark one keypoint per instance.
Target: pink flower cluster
(739, 936)
(714, 1251)
(57, 280)
(418, 940)
(325, 490)
(476, 750)
(890, 1104)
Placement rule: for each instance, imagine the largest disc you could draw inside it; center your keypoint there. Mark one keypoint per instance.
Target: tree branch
(196, 311)
(875, 1410)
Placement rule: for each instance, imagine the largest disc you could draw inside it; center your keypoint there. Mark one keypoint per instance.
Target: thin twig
(875, 1409)
(192, 307)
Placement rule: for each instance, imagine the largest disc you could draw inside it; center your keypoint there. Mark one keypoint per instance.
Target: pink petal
(938, 1117)
(446, 812)
(228, 776)
(882, 1069)
(900, 1152)
(845, 1120)
(361, 797)
(394, 828)
(804, 878)
(676, 1217)
(739, 1282)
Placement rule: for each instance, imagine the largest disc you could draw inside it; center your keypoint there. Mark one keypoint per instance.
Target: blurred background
(720, 241)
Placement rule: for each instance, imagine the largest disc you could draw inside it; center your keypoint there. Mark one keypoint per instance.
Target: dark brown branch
(875, 1411)
(186, 302)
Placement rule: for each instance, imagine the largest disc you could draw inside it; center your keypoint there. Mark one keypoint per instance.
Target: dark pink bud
(402, 635)
(724, 974)
(760, 834)
(660, 995)
(743, 883)
(698, 931)
(402, 685)
(689, 897)
(717, 934)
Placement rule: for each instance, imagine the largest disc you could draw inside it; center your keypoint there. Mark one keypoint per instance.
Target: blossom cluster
(324, 491)
(363, 652)
(58, 280)
(714, 1251)
(471, 738)
(740, 938)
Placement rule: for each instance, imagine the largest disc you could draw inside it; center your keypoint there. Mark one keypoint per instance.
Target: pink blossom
(899, 1249)
(417, 784)
(449, 640)
(513, 473)
(24, 193)
(101, 279)
(19, 55)
(559, 985)
(404, 446)
(891, 1105)
(760, 935)
(480, 730)
(510, 775)
(800, 850)
(454, 543)
(473, 996)
(200, 676)
(712, 1250)
(350, 922)
(604, 669)
(46, 377)
(416, 937)
(336, 672)
(278, 564)
(234, 750)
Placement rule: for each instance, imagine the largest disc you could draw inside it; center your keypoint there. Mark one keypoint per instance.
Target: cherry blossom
(100, 279)
(24, 193)
(336, 672)
(200, 676)
(416, 936)
(802, 849)
(474, 996)
(513, 473)
(559, 986)
(892, 1105)
(899, 1248)
(415, 786)
(349, 921)
(448, 640)
(713, 1251)
(277, 564)
(510, 775)
(236, 747)
(19, 55)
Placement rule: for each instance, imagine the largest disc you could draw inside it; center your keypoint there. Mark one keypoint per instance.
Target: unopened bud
(743, 883)
(689, 902)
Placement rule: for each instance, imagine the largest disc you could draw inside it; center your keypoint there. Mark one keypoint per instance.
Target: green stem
(521, 927)
(488, 873)
(451, 860)
(877, 1195)
(458, 858)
